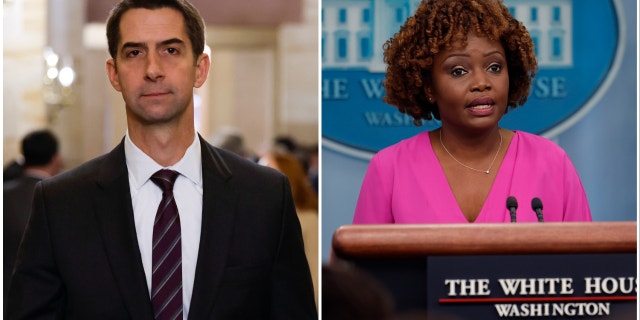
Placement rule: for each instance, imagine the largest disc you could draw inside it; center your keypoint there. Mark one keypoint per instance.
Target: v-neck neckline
(498, 183)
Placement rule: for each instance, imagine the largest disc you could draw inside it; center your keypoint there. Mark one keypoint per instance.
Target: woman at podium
(466, 63)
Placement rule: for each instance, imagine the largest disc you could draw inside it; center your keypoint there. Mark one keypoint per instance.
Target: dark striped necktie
(166, 281)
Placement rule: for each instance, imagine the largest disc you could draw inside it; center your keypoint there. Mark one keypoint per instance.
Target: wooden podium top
(407, 240)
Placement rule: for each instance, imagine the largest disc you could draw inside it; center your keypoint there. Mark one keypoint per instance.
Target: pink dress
(405, 183)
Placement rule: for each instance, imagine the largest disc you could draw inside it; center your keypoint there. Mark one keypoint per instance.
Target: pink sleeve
(576, 203)
(374, 201)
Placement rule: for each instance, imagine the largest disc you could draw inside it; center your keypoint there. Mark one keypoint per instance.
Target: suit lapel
(114, 214)
(218, 213)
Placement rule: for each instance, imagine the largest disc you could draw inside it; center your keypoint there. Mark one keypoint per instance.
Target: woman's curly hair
(436, 26)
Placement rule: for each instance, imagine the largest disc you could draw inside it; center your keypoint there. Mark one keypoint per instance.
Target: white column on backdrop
(23, 24)
(65, 22)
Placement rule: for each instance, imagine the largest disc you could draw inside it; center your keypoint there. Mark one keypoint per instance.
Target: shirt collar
(141, 167)
(37, 173)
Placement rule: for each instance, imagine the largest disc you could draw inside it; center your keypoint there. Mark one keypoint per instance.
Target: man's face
(155, 69)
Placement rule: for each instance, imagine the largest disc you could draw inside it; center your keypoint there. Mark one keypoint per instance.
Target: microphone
(536, 205)
(512, 205)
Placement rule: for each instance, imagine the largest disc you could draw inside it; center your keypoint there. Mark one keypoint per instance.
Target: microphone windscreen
(536, 203)
(512, 202)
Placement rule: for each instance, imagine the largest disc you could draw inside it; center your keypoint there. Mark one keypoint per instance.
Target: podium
(484, 271)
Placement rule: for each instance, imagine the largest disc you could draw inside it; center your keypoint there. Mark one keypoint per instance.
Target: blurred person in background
(305, 200)
(41, 160)
(313, 166)
(304, 197)
(350, 293)
(231, 139)
(287, 142)
(306, 155)
(13, 169)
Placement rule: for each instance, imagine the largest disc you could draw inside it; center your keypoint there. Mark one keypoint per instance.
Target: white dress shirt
(146, 196)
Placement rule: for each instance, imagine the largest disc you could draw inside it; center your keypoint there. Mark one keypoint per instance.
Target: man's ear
(202, 70)
(112, 73)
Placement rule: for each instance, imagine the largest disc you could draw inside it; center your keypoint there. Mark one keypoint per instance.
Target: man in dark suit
(100, 234)
(13, 169)
(41, 160)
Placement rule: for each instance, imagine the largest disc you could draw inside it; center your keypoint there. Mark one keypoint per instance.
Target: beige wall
(24, 40)
(263, 81)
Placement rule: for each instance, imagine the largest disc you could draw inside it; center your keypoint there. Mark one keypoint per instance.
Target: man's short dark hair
(193, 22)
(39, 147)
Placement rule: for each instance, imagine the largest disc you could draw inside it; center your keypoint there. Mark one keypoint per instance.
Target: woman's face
(471, 84)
